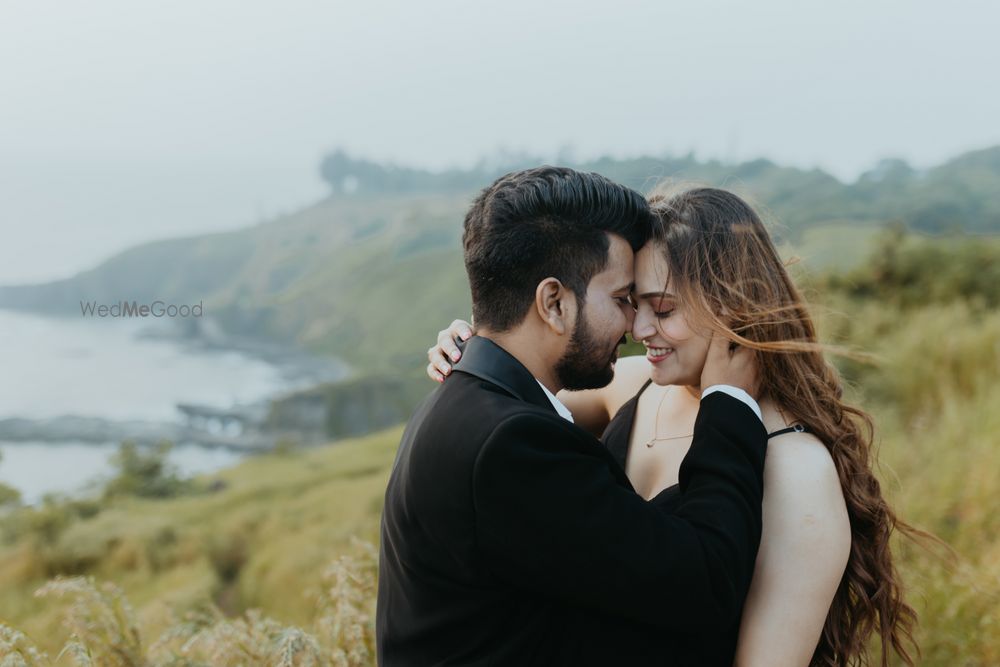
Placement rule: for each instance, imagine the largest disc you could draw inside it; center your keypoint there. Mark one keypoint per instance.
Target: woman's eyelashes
(663, 308)
(659, 307)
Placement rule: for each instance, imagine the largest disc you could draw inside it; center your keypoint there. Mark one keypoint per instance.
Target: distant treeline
(909, 271)
(959, 195)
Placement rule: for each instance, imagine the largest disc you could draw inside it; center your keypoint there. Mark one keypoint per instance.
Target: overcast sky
(127, 120)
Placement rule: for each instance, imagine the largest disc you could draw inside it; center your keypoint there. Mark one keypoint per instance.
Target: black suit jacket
(508, 533)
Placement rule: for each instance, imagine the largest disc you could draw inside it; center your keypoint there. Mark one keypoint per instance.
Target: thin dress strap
(798, 428)
(619, 431)
(644, 387)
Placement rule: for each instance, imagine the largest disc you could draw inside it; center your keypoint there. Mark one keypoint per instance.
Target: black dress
(719, 646)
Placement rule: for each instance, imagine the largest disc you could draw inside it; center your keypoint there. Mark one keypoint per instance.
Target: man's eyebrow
(626, 288)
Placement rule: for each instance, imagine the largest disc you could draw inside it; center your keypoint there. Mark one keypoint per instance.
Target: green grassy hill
(358, 278)
(371, 277)
(264, 541)
(266, 538)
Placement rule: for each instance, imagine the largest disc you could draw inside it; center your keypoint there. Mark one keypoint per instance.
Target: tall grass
(278, 538)
(104, 629)
(265, 571)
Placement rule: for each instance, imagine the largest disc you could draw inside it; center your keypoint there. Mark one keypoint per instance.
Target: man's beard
(586, 364)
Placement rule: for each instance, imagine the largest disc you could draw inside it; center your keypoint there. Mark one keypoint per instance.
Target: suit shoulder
(537, 444)
(534, 429)
(535, 418)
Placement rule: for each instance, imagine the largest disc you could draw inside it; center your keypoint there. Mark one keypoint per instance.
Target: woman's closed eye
(663, 314)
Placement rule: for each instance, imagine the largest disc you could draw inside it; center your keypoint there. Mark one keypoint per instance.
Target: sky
(123, 121)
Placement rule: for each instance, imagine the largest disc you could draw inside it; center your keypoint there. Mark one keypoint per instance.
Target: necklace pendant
(649, 443)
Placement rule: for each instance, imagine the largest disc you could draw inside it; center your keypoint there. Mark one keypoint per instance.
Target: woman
(824, 578)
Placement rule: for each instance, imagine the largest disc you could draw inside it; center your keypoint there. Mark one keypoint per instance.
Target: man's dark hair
(548, 221)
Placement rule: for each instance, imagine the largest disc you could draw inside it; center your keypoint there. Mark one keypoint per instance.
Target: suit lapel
(484, 359)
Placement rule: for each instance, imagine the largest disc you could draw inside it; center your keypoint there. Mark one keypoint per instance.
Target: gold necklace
(656, 425)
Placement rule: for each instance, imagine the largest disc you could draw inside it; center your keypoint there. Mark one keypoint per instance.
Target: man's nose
(630, 317)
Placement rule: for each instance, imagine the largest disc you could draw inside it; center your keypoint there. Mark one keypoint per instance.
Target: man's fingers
(746, 360)
(718, 348)
(743, 356)
(732, 365)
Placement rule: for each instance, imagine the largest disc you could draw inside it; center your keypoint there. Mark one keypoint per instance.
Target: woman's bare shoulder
(804, 549)
(802, 489)
(802, 457)
(796, 452)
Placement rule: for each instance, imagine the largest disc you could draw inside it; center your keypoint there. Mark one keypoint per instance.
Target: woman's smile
(655, 355)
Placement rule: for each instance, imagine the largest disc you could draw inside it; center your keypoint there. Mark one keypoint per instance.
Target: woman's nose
(642, 326)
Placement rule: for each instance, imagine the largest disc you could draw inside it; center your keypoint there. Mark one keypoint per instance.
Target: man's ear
(556, 305)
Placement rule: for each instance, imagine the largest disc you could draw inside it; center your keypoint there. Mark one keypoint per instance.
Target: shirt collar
(556, 403)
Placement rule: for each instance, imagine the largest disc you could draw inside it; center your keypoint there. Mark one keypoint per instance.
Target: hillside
(371, 274)
(353, 278)
(265, 535)
(263, 539)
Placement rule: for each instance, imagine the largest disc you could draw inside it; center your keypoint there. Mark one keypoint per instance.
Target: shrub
(228, 553)
(145, 474)
(8, 495)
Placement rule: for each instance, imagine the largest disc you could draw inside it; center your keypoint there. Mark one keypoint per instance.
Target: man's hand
(730, 364)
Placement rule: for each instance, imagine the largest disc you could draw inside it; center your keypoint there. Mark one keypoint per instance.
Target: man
(512, 537)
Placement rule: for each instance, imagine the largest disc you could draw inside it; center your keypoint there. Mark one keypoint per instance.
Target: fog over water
(100, 368)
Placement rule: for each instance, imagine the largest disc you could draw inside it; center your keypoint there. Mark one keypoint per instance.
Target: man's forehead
(618, 271)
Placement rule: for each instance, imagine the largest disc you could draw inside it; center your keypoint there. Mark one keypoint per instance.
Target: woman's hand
(445, 352)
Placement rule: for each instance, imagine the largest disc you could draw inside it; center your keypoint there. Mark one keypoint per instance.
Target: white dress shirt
(556, 403)
(735, 392)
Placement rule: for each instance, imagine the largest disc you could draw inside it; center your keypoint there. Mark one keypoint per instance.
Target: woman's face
(675, 352)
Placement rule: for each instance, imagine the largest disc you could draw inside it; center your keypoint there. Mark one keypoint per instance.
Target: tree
(144, 474)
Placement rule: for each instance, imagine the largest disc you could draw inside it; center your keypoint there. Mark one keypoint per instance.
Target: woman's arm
(592, 409)
(804, 549)
(442, 354)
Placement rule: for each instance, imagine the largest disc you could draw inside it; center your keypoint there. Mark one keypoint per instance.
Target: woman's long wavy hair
(722, 260)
